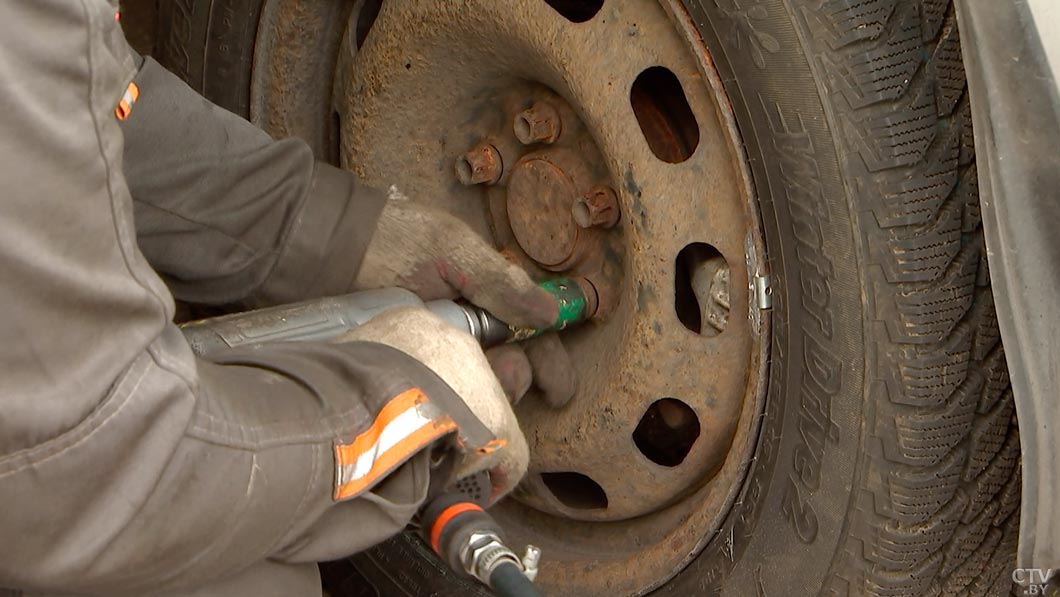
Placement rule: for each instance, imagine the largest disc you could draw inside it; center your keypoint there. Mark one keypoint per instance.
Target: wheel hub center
(540, 194)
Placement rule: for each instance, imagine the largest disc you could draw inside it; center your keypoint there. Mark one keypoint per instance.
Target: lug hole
(575, 490)
(576, 11)
(664, 116)
(667, 432)
(701, 289)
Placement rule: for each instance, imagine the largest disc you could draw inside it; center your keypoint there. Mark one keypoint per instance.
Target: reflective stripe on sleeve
(404, 426)
(132, 93)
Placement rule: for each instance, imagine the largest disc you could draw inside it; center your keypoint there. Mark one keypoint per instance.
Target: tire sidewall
(783, 531)
(210, 45)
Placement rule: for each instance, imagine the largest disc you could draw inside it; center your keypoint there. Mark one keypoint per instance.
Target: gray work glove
(457, 359)
(436, 255)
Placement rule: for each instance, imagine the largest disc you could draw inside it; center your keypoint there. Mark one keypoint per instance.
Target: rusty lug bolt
(481, 164)
(598, 207)
(540, 123)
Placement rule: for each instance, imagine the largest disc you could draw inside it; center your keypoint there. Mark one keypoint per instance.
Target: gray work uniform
(128, 466)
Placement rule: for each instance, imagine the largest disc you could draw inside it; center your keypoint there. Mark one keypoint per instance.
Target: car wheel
(796, 383)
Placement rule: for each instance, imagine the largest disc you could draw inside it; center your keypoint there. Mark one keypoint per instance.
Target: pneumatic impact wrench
(454, 523)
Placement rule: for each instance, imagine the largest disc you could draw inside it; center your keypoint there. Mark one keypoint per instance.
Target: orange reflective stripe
(394, 456)
(132, 93)
(448, 514)
(493, 445)
(404, 426)
(348, 453)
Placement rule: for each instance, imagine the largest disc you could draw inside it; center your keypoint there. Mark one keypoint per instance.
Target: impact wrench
(328, 318)
(454, 524)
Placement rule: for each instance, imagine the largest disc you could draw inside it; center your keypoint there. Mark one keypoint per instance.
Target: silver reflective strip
(400, 427)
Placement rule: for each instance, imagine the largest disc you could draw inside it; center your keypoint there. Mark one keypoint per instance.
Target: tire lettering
(804, 197)
(807, 466)
(801, 192)
(179, 38)
(746, 31)
(799, 513)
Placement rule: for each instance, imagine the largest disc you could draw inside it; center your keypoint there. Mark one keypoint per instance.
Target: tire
(211, 46)
(889, 458)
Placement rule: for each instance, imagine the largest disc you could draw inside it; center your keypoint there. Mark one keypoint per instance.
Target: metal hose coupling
(467, 538)
(531, 561)
(484, 553)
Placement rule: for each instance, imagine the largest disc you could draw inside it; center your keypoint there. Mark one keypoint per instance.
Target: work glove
(436, 255)
(457, 359)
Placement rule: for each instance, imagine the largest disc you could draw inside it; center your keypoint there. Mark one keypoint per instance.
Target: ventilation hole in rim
(576, 11)
(365, 20)
(575, 490)
(667, 432)
(664, 116)
(701, 289)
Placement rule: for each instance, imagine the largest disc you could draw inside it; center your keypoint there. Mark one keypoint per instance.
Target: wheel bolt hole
(575, 490)
(701, 289)
(667, 432)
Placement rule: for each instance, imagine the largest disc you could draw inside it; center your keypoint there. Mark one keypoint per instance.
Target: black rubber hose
(508, 580)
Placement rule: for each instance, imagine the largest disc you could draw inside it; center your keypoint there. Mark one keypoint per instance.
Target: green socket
(574, 308)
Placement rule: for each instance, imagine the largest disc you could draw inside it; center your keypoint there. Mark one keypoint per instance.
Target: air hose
(468, 539)
(508, 580)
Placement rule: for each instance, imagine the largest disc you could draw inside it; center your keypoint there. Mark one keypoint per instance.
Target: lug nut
(598, 207)
(481, 164)
(539, 123)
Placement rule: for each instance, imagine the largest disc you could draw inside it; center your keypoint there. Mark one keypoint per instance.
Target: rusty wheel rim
(535, 130)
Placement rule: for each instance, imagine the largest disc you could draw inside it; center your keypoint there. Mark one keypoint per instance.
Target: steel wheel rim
(658, 539)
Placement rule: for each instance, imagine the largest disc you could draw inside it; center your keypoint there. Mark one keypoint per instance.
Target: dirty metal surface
(295, 57)
(538, 190)
(550, 163)
(435, 79)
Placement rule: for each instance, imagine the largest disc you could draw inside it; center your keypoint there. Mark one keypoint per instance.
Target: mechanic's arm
(125, 463)
(226, 214)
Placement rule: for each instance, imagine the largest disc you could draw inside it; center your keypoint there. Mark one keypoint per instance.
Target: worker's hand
(457, 359)
(436, 255)
(542, 362)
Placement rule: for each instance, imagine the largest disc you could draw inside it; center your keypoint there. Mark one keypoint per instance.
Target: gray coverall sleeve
(126, 465)
(226, 214)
